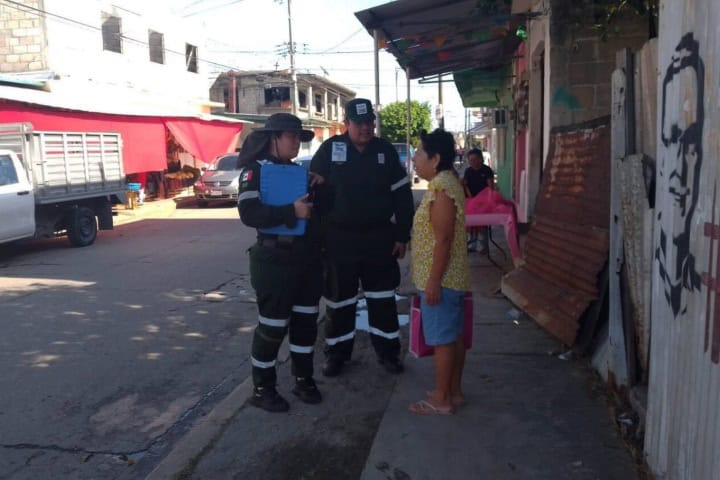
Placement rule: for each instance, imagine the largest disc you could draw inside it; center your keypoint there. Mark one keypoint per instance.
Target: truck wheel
(82, 227)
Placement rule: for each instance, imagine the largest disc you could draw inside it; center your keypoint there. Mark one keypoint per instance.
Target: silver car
(219, 183)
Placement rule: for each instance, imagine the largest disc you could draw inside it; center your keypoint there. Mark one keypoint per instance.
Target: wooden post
(616, 333)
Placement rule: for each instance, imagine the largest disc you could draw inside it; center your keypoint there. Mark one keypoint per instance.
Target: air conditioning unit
(500, 118)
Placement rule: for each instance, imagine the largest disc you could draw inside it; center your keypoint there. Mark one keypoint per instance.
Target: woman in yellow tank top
(440, 268)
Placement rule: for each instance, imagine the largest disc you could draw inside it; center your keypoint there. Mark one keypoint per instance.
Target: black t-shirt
(477, 180)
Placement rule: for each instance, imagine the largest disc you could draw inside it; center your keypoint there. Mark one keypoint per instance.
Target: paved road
(108, 353)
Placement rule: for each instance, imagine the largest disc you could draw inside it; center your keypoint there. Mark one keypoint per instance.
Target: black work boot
(391, 364)
(306, 390)
(269, 400)
(333, 367)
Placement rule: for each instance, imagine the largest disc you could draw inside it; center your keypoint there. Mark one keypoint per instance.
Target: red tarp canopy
(204, 140)
(144, 138)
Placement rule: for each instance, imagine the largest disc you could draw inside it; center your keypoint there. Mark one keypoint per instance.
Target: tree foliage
(393, 121)
(610, 10)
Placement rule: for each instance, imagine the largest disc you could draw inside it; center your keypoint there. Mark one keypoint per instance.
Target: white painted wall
(76, 55)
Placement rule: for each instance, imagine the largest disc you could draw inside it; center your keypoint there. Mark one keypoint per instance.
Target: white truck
(58, 183)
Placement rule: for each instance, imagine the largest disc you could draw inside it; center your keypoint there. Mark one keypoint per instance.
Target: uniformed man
(367, 230)
(285, 270)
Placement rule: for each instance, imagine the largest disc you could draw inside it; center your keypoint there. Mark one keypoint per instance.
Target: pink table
(504, 219)
(489, 208)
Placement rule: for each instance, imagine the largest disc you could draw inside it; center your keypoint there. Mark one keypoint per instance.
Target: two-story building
(257, 94)
(101, 65)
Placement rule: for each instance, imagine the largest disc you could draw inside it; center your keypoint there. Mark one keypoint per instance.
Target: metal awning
(433, 37)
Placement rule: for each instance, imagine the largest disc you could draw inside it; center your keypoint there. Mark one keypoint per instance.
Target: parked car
(404, 154)
(220, 182)
(304, 161)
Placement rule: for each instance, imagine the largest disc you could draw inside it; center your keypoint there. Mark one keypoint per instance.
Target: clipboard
(281, 185)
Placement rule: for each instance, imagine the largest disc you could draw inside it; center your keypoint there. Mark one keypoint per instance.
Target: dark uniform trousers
(361, 255)
(288, 284)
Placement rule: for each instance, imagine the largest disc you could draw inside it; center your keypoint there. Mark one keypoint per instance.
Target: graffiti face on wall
(679, 172)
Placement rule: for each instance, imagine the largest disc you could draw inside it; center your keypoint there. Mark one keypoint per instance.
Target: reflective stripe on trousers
(287, 298)
(361, 259)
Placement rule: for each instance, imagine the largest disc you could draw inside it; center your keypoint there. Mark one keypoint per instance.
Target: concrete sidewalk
(160, 208)
(530, 413)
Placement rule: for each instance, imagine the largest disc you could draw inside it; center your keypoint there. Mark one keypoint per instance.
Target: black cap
(359, 110)
(286, 122)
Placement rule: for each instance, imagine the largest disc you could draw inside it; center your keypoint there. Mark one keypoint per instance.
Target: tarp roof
(432, 37)
(95, 100)
(144, 137)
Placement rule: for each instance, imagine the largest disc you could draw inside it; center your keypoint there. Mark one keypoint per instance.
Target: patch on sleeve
(247, 175)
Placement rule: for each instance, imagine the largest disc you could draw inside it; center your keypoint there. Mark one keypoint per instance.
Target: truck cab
(17, 200)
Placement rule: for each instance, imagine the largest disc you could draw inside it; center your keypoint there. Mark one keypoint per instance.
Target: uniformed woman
(285, 270)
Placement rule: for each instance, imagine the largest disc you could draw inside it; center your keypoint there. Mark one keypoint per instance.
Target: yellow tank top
(457, 273)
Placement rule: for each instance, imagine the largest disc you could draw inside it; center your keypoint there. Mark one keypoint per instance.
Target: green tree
(393, 121)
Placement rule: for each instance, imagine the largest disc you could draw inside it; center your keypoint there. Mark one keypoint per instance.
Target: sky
(330, 42)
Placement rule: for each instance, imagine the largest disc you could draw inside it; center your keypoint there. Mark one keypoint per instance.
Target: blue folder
(282, 185)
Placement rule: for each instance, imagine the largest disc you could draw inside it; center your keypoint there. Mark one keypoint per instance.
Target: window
(277, 95)
(112, 33)
(191, 60)
(319, 103)
(302, 99)
(156, 41)
(8, 175)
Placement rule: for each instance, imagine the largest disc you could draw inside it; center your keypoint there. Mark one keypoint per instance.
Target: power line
(39, 12)
(213, 7)
(343, 41)
(191, 4)
(297, 52)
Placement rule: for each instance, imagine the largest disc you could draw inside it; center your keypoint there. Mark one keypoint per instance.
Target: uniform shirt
(457, 272)
(369, 188)
(477, 180)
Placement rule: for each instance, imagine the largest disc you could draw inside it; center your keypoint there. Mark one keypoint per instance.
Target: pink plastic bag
(417, 346)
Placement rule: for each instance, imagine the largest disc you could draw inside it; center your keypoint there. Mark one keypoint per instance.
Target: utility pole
(440, 112)
(293, 75)
(396, 84)
(408, 106)
(376, 49)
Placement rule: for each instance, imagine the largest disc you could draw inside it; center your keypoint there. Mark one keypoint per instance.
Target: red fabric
(490, 208)
(144, 138)
(140, 177)
(488, 201)
(202, 139)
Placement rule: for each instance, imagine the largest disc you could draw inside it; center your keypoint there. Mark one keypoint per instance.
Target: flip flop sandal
(423, 407)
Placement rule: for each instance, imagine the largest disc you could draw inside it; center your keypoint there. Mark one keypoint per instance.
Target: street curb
(189, 449)
(201, 436)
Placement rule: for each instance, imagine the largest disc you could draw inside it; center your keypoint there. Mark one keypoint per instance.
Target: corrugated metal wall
(682, 438)
(567, 245)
